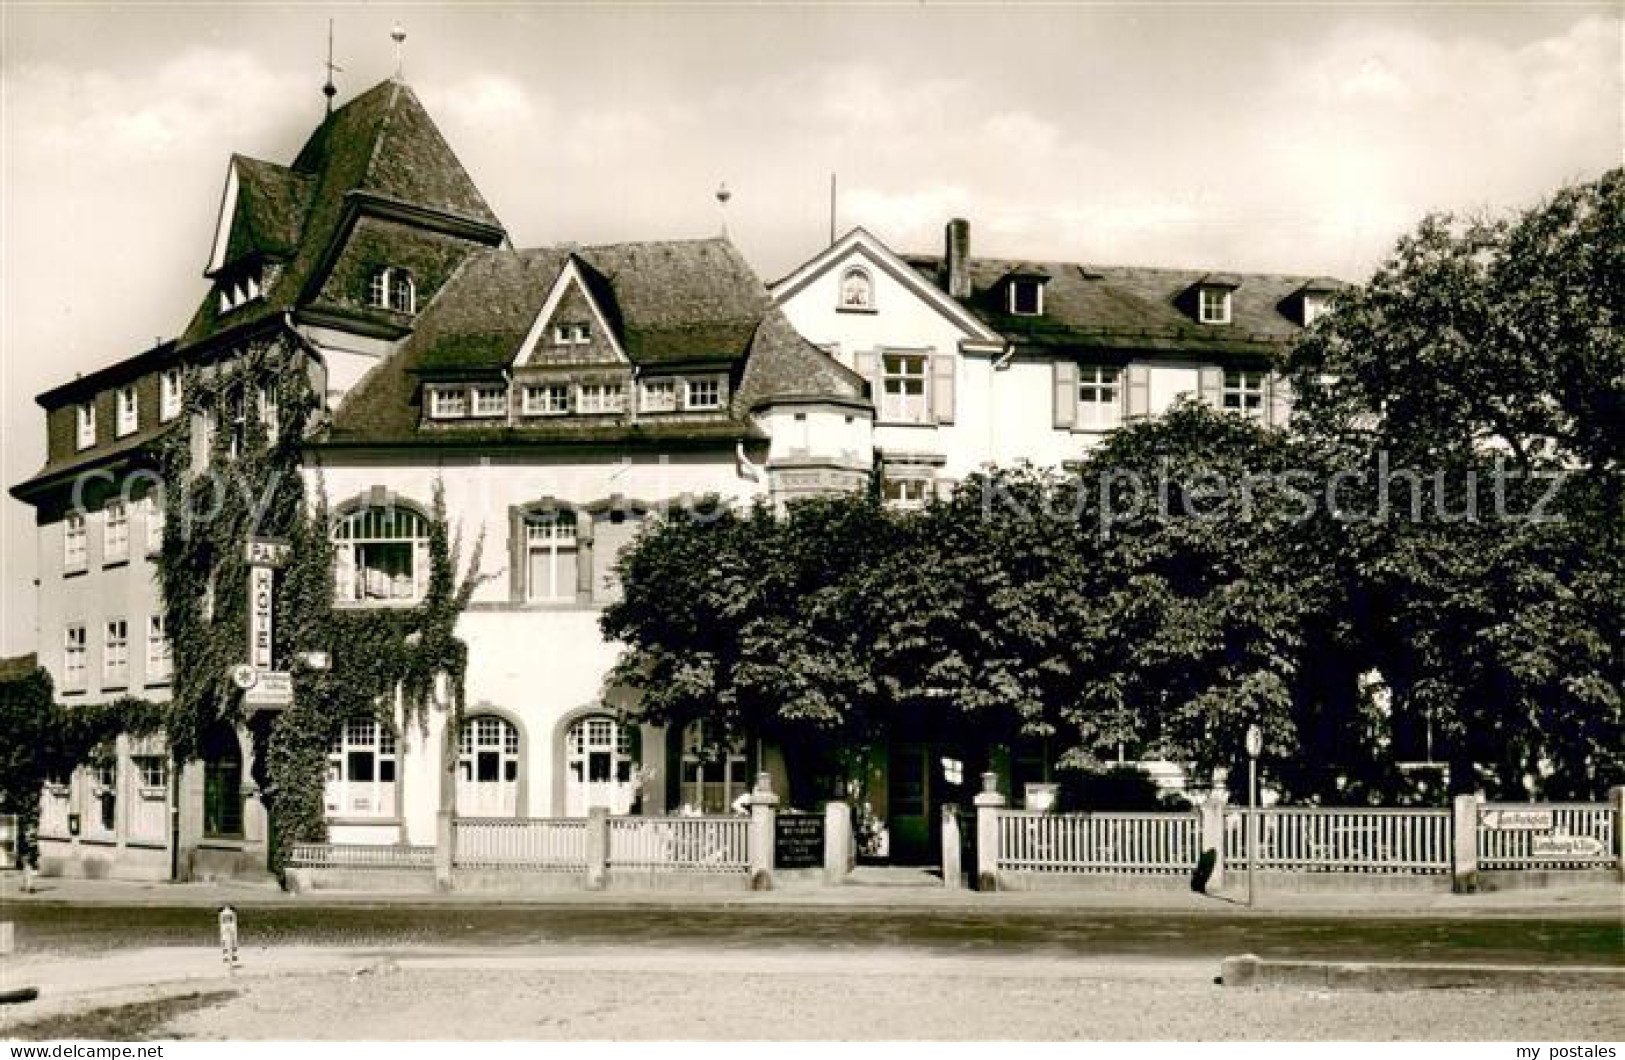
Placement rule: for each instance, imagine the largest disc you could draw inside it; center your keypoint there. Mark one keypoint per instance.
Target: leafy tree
(26, 727)
(1475, 391)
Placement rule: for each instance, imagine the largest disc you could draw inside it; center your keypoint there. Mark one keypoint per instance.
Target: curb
(1248, 970)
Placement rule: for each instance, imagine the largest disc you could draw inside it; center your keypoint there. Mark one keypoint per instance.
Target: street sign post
(271, 688)
(1255, 747)
(1519, 820)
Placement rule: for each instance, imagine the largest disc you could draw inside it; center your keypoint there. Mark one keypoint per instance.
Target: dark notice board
(798, 841)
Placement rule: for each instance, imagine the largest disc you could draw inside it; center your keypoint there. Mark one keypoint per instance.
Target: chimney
(956, 259)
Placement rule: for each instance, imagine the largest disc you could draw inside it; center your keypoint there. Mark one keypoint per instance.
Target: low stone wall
(366, 881)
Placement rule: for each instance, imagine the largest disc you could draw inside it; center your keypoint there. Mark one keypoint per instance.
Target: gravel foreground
(391, 1003)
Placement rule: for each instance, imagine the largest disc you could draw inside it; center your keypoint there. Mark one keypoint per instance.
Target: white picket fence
(359, 856)
(536, 844)
(1099, 842)
(1576, 835)
(680, 844)
(1343, 839)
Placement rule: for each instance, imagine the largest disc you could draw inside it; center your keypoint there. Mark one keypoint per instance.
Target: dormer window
(448, 403)
(1314, 307)
(239, 290)
(490, 401)
(1024, 291)
(127, 415)
(857, 290)
(393, 289)
(85, 422)
(1213, 305)
(169, 394)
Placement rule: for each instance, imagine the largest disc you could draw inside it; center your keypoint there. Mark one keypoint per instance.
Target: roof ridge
(379, 135)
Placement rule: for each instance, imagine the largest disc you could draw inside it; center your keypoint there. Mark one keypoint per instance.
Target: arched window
(488, 768)
(550, 555)
(361, 771)
(381, 553)
(714, 774)
(601, 763)
(378, 291)
(857, 289)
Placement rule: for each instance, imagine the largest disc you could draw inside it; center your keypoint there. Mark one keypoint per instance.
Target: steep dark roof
(1124, 307)
(669, 303)
(783, 366)
(272, 202)
(382, 143)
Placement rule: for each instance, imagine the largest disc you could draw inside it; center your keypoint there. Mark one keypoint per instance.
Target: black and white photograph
(805, 522)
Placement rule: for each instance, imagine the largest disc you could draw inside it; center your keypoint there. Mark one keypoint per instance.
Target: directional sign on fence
(1566, 846)
(1519, 820)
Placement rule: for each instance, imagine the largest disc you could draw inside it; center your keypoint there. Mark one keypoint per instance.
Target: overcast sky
(1296, 138)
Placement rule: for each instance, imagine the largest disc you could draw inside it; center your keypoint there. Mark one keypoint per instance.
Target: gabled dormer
(1310, 302)
(1211, 300)
(573, 326)
(1023, 291)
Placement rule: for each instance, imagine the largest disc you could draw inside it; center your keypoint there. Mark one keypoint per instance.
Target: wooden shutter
(942, 387)
(516, 554)
(867, 364)
(1066, 394)
(1210, 388)
(1137, 391)
(1279, 398)
(584, 551)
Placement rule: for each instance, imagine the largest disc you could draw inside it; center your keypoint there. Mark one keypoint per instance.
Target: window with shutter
(1066, 394)
(942, 387)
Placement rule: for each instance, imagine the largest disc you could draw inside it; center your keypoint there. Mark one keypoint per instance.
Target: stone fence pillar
(1214, 808)
(953, 870)
(988, 805)
(445, 849)
(837, 841)
(764, 813)
(597, 848)
(1464, 840)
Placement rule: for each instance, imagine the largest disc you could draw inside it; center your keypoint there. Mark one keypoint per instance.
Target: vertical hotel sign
(266, 687)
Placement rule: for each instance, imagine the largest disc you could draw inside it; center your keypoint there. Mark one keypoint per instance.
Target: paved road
(80, 929)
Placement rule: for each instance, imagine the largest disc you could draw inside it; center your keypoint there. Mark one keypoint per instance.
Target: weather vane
(330, 90)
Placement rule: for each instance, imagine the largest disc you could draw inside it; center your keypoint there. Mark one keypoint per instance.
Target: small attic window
(393, 288)
(1315, 304)
(1026, 296)
(571, 335)
(857, 290)
(1213, 304)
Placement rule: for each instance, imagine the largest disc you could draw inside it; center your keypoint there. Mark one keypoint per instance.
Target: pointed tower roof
(380, 151)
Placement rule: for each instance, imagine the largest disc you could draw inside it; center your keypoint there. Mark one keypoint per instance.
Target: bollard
(1616, 799)
(228, 936)
(8, 938)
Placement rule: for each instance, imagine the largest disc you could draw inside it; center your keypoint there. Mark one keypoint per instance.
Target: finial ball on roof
(397, 34)
(723, 194)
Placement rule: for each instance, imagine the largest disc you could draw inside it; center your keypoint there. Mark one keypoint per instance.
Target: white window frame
(403, 292)
(572, 334)
(1245, 393)
(539, 399)
(75, 657)
(448, 402)
(658, 395)
(160, 653)
(371, 745)
(153, 517)
(711, 384)
(487, 402)
(857, 290)
(115, 653)
(85, 424)
(270, 412)
(607, 399)
(1012, 297)
(115, 531)
(905, 494)
(900, 401)
(379, 527)
(556, 535)
(75, 543)
(170, 394)
(129, 410)
(1100, 397)
(151, 774)
(1315, 305)
(378, 289)
(1213, 305)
